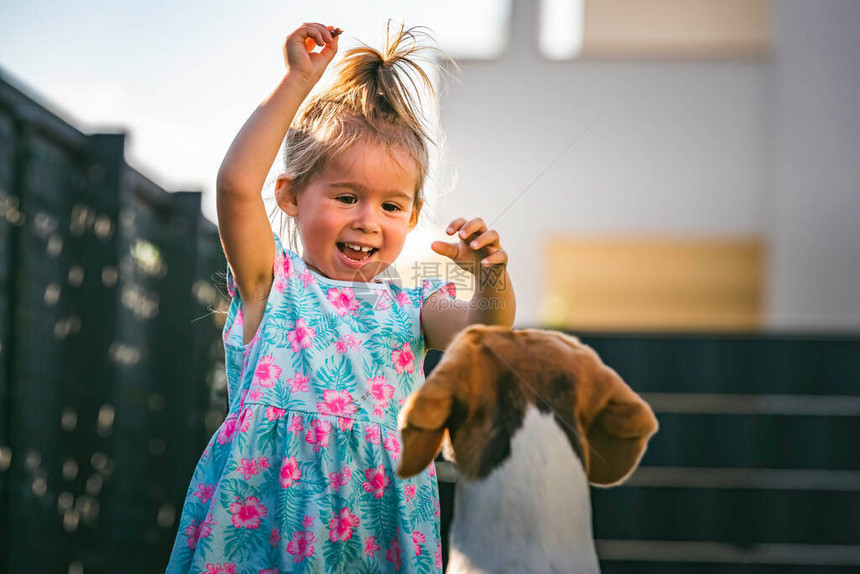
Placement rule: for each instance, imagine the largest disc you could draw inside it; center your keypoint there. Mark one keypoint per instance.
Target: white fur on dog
(531, 514)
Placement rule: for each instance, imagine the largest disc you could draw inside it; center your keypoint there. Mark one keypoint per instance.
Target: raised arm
(242, 221)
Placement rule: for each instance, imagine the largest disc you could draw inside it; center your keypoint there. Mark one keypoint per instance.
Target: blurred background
(675, 181)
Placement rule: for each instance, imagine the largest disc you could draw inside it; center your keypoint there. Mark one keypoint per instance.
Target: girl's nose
(366, 219)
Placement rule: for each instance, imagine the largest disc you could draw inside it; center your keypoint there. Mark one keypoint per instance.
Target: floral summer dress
(300, 477)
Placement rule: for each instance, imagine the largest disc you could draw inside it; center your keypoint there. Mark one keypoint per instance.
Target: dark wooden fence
(755, 468)
(109, 353)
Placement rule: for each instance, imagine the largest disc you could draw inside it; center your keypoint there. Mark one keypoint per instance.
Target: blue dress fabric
(300, 477)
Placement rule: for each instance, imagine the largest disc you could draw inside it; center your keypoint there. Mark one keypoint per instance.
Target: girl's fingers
(448, 250)
(325, 32)
(486, 239)
(316, 29)
(455, 225)
(316, 35)
(473, 226)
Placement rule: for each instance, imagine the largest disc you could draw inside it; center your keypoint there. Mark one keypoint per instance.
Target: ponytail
(385, 87)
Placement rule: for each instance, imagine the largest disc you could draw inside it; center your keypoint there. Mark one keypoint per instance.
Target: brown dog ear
(422, 425)
(619, 431)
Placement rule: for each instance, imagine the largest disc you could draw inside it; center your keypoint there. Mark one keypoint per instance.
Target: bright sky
(182, 77)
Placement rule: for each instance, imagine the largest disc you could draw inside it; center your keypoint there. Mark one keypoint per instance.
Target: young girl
(320, 354)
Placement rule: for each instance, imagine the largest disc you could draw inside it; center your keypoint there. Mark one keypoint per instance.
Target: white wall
(680, 149)
(814, 227)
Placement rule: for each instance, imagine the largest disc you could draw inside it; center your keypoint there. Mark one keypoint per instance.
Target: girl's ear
(286, 195)
(413, 218)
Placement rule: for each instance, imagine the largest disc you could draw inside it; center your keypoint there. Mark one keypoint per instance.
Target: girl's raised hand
(477, 246)
(299, 55)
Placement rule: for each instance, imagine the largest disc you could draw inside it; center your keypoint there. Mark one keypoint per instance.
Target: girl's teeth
(355, 252)
(358, 248)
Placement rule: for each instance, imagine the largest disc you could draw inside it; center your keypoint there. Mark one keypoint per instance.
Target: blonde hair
(375, 99)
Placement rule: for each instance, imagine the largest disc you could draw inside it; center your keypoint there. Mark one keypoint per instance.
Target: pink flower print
(417, 539)
(340, 527)
(380, 391)
(308, 521)
(449, 289)
(307, 278)
(338, 479)
(302, 336)
(290, 472)
(299, 383)
(269, 571)
(343, 300)
(285, 263)
(345, 424)
(403, 299)
(274, 537)
(245, 420)
(438, 556)
(348, 342)
(404, 359)
(267, 372)
(205, 492)
(383, 300)
(274, 413)
(318, 433)
(247, 513)
(372, 434)
(296, 425)
(370, 546)
(300, 546)
(250, 467)
(378, 411)
(395, 554)
(432, 468)
(228, 429)
(336, 403)
(392, 445)
(288, 268)
(195, 531)
(254, 395)
(377, 482)
(226, 568)
(409, 491)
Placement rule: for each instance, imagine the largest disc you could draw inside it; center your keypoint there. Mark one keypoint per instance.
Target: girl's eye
(390, 207)
(348, 199)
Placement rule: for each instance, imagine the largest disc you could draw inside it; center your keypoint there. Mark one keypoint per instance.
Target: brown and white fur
(533, 417)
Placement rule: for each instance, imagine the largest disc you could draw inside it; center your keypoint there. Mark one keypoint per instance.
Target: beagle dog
(533, 417)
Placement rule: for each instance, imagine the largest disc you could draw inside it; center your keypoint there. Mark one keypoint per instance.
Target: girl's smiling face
(364, 198)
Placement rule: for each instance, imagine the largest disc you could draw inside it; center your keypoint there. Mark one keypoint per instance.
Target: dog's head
(487, 378)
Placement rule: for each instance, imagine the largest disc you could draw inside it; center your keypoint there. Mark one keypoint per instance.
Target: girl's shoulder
(418, 294)
(286, 264)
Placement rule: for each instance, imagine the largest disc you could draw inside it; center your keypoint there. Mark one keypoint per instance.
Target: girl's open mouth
(356, 252)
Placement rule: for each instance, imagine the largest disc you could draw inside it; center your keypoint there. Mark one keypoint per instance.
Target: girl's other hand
(476, 245)
(299, 55)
